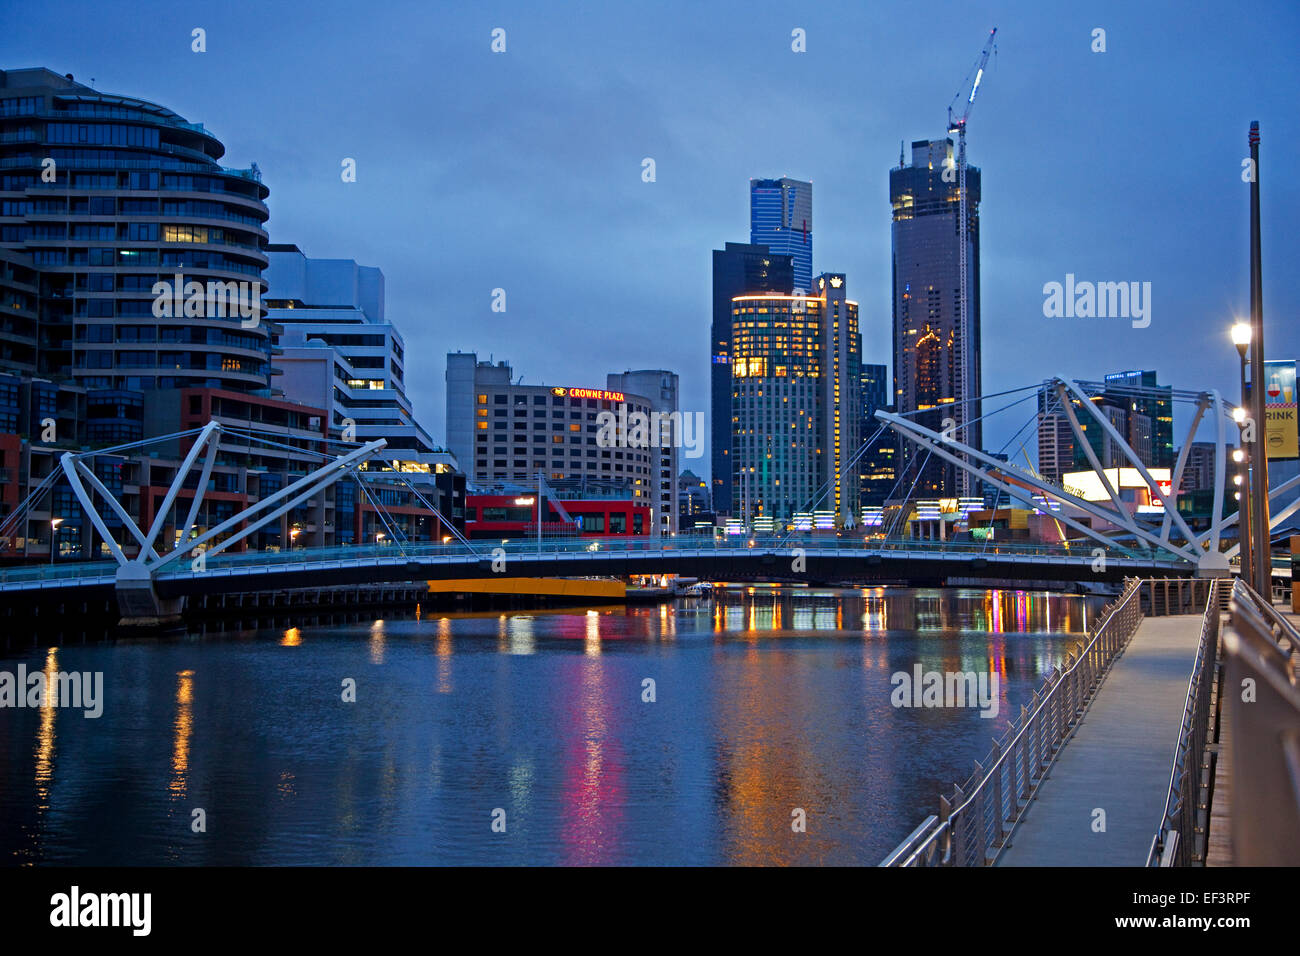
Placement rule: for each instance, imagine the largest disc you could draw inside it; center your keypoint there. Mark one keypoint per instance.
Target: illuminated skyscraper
(780, 217)
(796, 402)
(930, 360)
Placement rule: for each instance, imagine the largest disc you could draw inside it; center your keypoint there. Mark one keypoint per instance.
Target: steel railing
(577, 546)
(1181, 837)
(974, 823)
(1261, 694)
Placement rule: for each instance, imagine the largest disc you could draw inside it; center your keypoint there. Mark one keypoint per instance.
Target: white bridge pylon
(148, 561)
(1174, 535)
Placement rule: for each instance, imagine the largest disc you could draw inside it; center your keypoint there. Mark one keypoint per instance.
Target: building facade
(796, 403)
(500, 430)
(336, 350)
(661, 387)
(149, 252)
(738, 269)
(935, 372)
(780, 217)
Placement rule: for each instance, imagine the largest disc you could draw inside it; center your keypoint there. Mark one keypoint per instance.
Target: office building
(780, 217)
(1148, 419)
(878, 467)
(337, 350)
(692, 498)
(1055, 436)
(738, 269)
(935, 372)
(796, 403)
(875, 393)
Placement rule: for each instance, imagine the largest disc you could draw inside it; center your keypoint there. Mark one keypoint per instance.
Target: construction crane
(958, 126)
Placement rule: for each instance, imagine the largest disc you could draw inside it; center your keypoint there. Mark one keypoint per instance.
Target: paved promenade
(1118, 760)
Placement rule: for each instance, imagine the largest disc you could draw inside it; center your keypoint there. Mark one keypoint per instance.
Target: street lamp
(293, 536)
(54, 530)
(1240, 335)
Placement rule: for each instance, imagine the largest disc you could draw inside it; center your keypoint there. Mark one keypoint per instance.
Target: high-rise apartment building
(112, 198)
(935, 372)
(780, 217)
(738, 269)
(796, 402)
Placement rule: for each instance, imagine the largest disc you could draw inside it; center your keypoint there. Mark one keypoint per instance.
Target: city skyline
(648, 243)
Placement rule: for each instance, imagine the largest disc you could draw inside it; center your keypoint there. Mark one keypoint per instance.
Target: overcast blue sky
(522, 170)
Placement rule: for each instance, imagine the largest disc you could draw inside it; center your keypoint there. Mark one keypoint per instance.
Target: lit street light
(54, 530)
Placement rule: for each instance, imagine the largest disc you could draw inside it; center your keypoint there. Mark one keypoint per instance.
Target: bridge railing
(394, 552)
(1180, 840)
(974, 823)
(1261, 653)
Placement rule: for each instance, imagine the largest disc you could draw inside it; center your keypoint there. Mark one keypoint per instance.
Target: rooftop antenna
(900, 154)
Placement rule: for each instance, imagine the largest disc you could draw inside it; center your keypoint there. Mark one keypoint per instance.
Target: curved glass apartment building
(108, 196)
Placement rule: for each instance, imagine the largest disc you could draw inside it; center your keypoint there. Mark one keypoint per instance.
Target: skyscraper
(738, 269)
(780, 217)
(933, 368)
(875, 393)
(796, 402)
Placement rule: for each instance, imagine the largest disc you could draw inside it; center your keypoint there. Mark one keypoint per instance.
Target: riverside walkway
(1116, 761)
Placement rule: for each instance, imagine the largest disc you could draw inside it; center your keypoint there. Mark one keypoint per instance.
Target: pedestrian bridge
(813, 559)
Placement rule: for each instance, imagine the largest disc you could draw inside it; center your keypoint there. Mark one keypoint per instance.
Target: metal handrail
(1176, 842)
(1244, 594)
(1265, 739)
(578, 545)
(1040, 736)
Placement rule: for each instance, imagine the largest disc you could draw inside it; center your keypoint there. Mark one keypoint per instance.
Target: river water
(524, 737)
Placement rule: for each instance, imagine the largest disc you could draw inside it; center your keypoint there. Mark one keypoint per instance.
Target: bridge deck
(1119, 758)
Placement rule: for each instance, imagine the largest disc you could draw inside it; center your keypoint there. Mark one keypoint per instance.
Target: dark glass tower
(929, 355)
(738, 269)
(780, 217)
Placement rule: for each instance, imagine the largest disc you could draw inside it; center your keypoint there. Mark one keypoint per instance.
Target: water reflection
(769, 702)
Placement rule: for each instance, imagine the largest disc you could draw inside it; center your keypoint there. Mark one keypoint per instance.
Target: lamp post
(1240, 334)
(1263, 581)
(54, 530)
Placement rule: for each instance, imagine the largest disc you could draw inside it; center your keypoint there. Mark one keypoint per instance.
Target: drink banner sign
(1280, 410)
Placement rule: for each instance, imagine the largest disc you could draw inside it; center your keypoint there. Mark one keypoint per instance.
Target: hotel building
(796, 404)
(502, 431)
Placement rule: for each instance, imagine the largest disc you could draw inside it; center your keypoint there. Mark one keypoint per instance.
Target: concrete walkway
(1118, 760)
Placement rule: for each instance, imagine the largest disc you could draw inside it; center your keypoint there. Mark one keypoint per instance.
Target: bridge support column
(140, 604)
